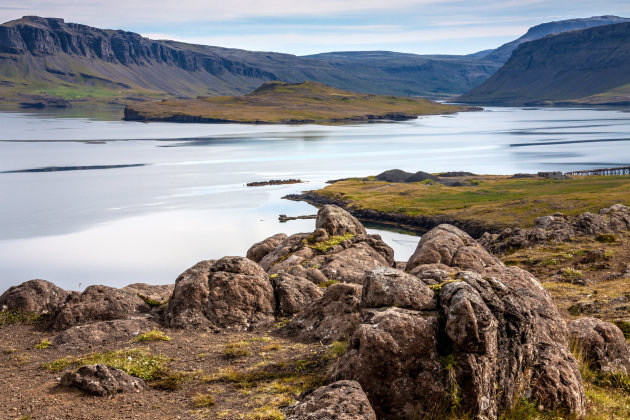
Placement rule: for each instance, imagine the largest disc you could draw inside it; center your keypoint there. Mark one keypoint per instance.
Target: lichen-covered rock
(602, 344)
(341, 400)
(351, 264)
(37, 296)
(102, 332)
(230, 293)
(102, 380)
(495, 329)
(337, 222)
(187, 306)
(258, 251)
(96, 303)
(393, 355)
(334, 317)
(386, 286)
(294, 293)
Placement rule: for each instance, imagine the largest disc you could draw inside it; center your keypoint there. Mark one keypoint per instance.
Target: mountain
(42, 58)
(503, 53)
(589, 66)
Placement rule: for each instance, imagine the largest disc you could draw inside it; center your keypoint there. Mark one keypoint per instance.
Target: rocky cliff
(586, 66)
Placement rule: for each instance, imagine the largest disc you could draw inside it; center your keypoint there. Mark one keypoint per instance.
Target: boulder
(187, 306)
(294, 293)
(96, 303)
(386, 286)
(602, 344)
(102, 380)
(102, 332)
(334, 317)
(338, 222)
(495, 334)
(37, 296)
(153, 294)
(258, 251)
(351, 264)
(230, 293)
(341, 400)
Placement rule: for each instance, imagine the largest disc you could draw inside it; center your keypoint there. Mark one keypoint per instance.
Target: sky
(304, 27)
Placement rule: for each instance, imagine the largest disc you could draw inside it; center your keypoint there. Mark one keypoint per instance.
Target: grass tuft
(236, 350)
(203, 400)
(153, 335)
(44, 344)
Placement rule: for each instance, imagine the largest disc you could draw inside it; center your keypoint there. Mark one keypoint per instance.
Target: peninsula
(288, 103)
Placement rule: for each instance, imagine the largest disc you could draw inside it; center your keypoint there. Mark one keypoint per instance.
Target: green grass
(136, 362)
(497, 201)
(236, 350)
(44, 344)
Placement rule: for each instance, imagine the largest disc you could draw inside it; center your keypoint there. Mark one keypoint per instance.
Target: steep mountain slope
(586, 66)
(503, 53)
(49, 57)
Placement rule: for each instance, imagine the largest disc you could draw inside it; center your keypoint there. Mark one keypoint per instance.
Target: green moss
(437, 287)
(337, 349)
(44, 344)
(326, 245)
(17, 317)
(153, 335)
(327, 283)
(151, 302)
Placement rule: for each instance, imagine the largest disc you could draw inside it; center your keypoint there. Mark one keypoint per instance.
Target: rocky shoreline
(422, 223)
(451, 332)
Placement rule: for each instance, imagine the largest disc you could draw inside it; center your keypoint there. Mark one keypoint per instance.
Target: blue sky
(311, 26)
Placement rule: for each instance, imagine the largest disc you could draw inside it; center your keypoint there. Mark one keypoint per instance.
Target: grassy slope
(277, 102)
(496, 199)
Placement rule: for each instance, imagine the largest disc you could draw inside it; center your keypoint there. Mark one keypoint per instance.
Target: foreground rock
(97, 303)
(102, 380)
(257, 251)
(559, 228)
(294, 293)
(339, 249)
(342, 400)
(102, 333)
(230, 293)
(334, 317)
(494, 328)
(602, 344)
(37, 296)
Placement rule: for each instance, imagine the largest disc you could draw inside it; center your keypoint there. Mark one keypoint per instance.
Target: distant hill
(42, 58)
(590, 66)
(288, 103)
(503, 53)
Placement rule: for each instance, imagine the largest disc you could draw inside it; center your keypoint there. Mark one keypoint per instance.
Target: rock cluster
(559, 227)
(455, 330)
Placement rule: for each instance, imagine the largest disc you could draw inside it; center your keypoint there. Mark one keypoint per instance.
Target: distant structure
(622, 170)
(553, 175)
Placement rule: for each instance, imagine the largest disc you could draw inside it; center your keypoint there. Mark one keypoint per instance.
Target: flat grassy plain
(278, 102)
(493, 200)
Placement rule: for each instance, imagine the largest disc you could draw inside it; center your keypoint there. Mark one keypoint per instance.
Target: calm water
(188, 200)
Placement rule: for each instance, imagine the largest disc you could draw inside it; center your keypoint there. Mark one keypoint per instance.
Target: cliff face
(503, 53)
(44, 56)
(586, 66)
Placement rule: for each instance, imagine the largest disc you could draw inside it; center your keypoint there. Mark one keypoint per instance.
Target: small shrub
(606, 238)
(571, 274)
(153, 335)
(44, 344)
(236, 350)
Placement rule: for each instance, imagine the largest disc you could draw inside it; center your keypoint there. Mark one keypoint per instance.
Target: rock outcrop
(602, 344)
(336, 221)
(559, 228)
(102, 380)
(97, 303)
(102, 333)
(334, 317)
(342, 400)
(258, 251)
(230, 293)
(493, 334)
(37, 296)
(294, 293)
